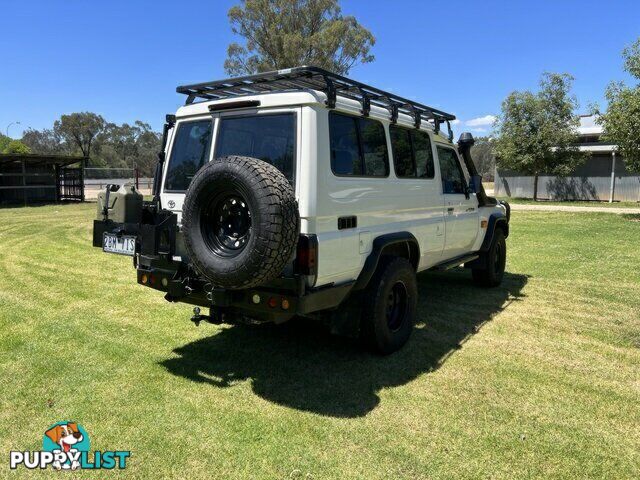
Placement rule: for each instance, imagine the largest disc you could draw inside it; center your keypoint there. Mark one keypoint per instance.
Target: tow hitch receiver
(198, 317)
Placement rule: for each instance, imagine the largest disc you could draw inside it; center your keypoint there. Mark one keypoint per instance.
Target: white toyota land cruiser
(305, 193)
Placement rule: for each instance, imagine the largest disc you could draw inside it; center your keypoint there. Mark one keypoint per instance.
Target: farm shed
(27, 179)
(603, 176)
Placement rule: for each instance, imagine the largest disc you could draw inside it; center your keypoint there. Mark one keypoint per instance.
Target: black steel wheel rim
(226, 224)
(397, 306)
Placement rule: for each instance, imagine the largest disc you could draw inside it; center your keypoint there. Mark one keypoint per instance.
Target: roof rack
(315, 78)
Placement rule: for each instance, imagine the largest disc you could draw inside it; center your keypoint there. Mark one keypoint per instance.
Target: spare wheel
(240, 222)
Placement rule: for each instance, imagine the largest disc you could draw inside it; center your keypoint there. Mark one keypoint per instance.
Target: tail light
(307, 255)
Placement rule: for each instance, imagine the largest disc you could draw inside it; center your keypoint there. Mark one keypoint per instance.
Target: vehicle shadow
(302, 366)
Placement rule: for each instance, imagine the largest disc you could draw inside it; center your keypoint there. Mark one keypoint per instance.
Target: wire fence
(96, 179)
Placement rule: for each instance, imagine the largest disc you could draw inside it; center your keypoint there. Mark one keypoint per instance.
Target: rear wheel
(496, 257)
(390, 310)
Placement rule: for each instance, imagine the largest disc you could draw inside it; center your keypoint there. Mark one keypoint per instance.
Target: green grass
(537, 378)
(528, 201)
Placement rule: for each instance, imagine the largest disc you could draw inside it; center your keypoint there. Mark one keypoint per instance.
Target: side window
(345, 150)
(374, 148)
(423, 154)
(452, 177)
(412, 155)
(358, 146)
(189, 153)
(402, 154)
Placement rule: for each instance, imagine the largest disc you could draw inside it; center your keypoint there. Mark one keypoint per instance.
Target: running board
(455, 262)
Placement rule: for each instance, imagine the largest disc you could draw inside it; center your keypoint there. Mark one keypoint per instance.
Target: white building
(603, 176)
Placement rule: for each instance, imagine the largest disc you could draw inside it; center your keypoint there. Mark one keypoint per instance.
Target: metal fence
(96, 179)
(592, 181)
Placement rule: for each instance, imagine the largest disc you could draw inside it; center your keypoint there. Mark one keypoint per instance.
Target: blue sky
(123, 59)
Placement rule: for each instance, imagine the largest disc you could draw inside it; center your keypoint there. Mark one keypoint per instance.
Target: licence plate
(122, 245)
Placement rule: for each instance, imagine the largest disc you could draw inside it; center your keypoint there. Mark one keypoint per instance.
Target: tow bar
(197, 317)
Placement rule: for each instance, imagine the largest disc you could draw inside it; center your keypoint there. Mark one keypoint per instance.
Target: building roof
(37, 159)
(588, 125)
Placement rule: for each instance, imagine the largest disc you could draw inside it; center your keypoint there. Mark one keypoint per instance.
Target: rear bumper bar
(278, 300)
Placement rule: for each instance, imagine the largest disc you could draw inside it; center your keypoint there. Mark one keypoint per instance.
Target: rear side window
(423, 154)
(452, 176)
(412, 154)
(189, 153)
(402, 154)
(358, 146)
(269, 137)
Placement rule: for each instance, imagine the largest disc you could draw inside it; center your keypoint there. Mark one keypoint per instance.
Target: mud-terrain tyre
(240, 222)
(496, 259)
(390, 305)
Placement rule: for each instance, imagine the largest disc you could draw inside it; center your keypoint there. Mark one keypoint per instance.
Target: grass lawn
(537, 378)
(577, 203)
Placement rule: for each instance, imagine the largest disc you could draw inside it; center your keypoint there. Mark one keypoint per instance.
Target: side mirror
(475, 183)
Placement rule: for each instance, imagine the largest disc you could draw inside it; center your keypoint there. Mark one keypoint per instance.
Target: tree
(134, 145)
(123, 139)
(109, 145)
(537, 132)
(148, 145)
(621, 122)
(16, 146)
(484, 157)
(80, 130)
(9, 145)
(286, 33)
(44, 141)
(4, 142)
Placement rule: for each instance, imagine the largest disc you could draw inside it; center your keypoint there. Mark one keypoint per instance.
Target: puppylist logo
(65, 446)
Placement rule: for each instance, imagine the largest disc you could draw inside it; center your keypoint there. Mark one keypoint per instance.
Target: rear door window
(189, 153)
(269, 137)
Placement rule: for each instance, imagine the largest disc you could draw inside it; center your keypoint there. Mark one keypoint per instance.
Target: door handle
(450, 210)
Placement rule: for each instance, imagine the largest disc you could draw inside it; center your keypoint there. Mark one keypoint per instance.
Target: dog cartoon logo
(68, 438)
(65, 446)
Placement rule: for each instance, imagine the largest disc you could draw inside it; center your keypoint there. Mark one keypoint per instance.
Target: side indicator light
(483, 224)
(285, 304)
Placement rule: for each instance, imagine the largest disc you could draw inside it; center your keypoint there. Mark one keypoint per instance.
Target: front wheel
(390, 310)
(491, 276)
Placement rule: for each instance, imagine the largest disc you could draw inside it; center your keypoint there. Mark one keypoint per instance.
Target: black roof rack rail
(315, 78)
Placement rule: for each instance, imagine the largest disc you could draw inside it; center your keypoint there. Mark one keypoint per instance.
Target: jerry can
(120, 204)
